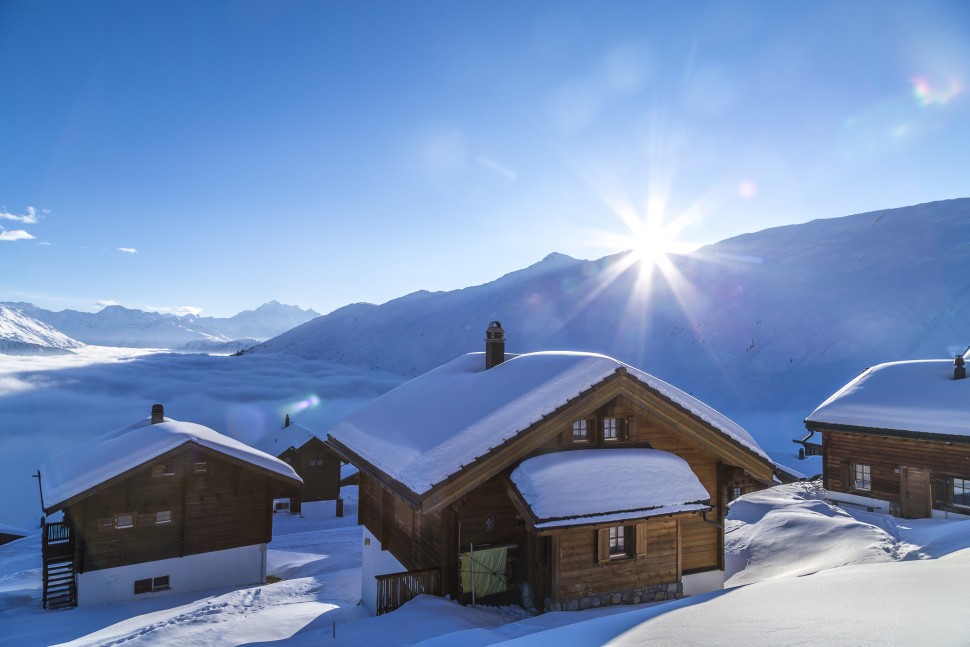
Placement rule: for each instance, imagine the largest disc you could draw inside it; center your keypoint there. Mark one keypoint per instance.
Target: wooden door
(915, 493)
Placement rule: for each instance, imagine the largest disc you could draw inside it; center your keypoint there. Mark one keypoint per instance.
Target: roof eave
(815, 425)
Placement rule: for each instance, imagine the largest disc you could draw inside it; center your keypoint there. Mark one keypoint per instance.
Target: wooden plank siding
(224, 506)
(886, 456)
(581, 575)
(430, 530)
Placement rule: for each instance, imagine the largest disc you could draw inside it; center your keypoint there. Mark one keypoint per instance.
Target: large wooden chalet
(158, 506)
(313, 460)
(555, 480)
(896, 438)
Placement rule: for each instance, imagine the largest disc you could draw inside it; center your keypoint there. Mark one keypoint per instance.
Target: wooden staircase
(60, 573)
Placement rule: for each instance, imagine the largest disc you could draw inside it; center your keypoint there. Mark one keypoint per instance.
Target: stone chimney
(959, 370)
(494, 345)
(158, 414)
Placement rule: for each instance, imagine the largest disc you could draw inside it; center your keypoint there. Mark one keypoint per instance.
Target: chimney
(959, 370)
(158, 414)
(286, 422)
(494, 345)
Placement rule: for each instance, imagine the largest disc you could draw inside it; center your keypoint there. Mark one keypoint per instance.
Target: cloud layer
(50, 404)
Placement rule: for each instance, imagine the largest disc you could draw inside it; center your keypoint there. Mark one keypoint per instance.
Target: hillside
(131, 328)
(763, 326)
(23, 335)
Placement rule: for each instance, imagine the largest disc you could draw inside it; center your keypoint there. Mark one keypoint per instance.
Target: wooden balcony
(394, 589)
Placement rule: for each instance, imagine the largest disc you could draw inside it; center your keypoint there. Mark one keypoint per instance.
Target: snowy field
(804, 572)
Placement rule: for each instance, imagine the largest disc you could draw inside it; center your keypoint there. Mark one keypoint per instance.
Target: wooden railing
(394, 589)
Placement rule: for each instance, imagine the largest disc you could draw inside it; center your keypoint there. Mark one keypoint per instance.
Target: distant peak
(556, 257)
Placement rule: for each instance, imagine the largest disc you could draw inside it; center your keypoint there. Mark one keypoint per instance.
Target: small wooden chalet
(157, 506)
(896, 438)
(556, 480)
(313, 460)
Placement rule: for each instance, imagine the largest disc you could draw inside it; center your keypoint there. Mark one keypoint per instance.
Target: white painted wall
(375, 561)
(219, 569)
(318, 509)
(859, 501)
(705, 582)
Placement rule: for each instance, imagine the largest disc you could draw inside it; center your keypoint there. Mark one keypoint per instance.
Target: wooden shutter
(603, 545)
(640, 542)
(847, 477)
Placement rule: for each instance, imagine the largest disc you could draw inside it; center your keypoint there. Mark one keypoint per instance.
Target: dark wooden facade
(188, 501)
(479, 507)
(913, 472)
(319, 467)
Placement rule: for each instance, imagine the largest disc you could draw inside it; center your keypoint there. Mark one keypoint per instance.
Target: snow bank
(638, 483)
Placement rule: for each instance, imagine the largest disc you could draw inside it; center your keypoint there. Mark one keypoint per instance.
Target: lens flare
(308, 402)
(927, 94)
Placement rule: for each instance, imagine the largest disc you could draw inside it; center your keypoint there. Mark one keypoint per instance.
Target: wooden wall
(578, 573)
(321, 482)
(886, 455)
(224, 506)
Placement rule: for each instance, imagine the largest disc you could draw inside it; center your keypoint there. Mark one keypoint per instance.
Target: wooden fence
(394, 589)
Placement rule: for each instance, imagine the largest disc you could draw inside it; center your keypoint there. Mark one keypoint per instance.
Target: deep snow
(858, 579)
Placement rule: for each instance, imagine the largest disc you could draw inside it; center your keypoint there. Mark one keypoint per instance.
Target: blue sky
(217, 155)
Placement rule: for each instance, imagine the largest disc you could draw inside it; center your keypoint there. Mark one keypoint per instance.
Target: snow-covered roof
(79, 469)
(6, 529)
(601, 485)
(427, 429)
(917, 396)
(279, 440)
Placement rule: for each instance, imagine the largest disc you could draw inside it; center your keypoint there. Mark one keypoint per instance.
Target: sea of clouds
(51, 404)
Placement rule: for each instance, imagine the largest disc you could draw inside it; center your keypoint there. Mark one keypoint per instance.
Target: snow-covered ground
(805, 572)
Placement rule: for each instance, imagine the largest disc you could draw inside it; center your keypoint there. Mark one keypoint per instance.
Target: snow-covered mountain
(23, 335)
(766, 321)
(126, 327)
(266, 321)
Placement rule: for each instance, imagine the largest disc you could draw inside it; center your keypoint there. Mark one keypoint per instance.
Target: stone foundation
(652, 593)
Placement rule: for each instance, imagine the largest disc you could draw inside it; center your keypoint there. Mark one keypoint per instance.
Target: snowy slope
(23, 335)
(848, 591)
(266, 321)
(130, 328)
(763, 327)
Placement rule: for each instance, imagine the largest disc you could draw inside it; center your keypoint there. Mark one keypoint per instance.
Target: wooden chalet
(318, 466)
(554, 480)
(158, 506)
(896, 438)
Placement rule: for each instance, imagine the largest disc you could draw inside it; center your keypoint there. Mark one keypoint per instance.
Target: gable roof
(591, 486)
(74, 472)
(917, 396)
(279, 440)
(430, 428)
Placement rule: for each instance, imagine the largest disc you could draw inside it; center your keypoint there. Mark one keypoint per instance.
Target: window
(618, 542)
(126, 520)
(164, 516)
(581, 431)
(863, 477)
(152, 584)
(163, 469)
(961, 492)
(316, 462)
(610, 429)
(200, 467)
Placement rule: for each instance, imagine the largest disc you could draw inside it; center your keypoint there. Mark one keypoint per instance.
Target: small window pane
(863, 477)
(609, 429)
(618, 541)
(163, 469)
(161, 583)
(143, 586)
(164, 516)
(200, 467)
(961, 492)
(126, 520)
(580, 431)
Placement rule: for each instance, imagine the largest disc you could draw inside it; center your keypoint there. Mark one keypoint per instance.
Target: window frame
(580, 430)
(619, 542)
(965, 492)
(862, 477)
(162, 470)
(610, 429)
